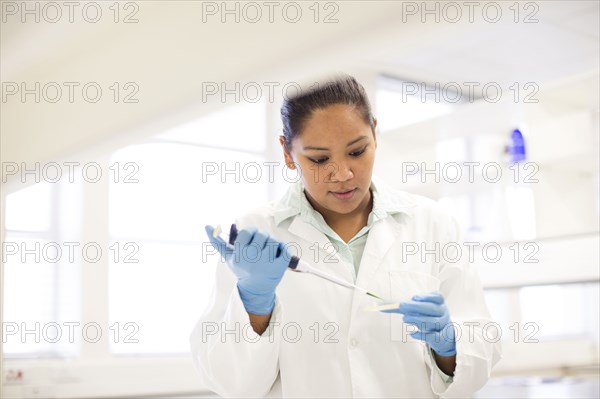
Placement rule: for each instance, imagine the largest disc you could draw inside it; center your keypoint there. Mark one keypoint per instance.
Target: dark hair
(344, 89)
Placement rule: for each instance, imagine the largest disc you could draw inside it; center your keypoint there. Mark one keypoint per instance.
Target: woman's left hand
(430, 315)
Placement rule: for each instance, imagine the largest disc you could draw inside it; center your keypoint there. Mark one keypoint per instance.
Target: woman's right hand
(259, 262)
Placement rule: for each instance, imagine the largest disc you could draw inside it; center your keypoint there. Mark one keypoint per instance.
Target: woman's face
(335, 153)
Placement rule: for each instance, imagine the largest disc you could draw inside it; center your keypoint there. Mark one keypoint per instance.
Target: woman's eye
(319, 161)
(358, 153)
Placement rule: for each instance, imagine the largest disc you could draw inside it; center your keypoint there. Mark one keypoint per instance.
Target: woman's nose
(341, 172)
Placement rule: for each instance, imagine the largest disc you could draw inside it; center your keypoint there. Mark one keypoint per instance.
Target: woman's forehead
(334, 121)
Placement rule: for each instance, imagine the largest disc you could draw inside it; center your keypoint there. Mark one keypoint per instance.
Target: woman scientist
(271, 333)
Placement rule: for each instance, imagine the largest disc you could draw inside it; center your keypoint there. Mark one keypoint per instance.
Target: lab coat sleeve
(476, 353)
(232, 359)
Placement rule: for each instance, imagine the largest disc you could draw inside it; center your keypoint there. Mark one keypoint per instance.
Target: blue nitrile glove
(258, 261)
(430, 315)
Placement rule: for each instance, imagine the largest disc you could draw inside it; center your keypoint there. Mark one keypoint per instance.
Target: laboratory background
(126, 127)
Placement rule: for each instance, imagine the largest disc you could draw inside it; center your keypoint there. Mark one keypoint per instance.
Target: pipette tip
(374, 296)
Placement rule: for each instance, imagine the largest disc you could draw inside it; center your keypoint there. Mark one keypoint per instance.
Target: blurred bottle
(516, 149)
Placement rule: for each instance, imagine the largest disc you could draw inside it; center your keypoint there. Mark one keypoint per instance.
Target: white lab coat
(326, 344)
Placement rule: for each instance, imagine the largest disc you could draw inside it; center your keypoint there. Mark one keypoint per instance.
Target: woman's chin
(343, 208)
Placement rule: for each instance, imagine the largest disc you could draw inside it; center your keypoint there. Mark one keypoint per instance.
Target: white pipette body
(304, 267)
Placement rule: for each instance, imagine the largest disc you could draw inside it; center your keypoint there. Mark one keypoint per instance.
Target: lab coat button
(353, 343)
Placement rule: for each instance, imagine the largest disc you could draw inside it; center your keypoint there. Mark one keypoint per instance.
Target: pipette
(296, 264)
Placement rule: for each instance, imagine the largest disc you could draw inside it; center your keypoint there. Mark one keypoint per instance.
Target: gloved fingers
(278, 248)
(217, 242)
(436, 341)
(420, 335)
(430, 337)
(433, 297)
(421, 308)
(259, 240)
(286, 254)
(245, 237)
(274, 247)
(426, 323)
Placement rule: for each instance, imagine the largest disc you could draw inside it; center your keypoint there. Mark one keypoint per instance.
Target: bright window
(41, 293)
(159, 285)
(546, 312)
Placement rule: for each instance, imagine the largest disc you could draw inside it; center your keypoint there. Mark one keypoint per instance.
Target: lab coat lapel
(308, 232)
(382, 237)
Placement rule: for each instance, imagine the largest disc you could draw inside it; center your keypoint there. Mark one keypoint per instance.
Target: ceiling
(565, 42)
(170, 52)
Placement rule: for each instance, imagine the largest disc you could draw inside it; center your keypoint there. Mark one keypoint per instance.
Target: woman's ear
(286, 154)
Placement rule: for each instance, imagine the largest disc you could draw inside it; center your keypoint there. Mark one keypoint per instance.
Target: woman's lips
(344, 195)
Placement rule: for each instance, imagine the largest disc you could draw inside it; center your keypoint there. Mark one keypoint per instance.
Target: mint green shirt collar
(294, 202)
